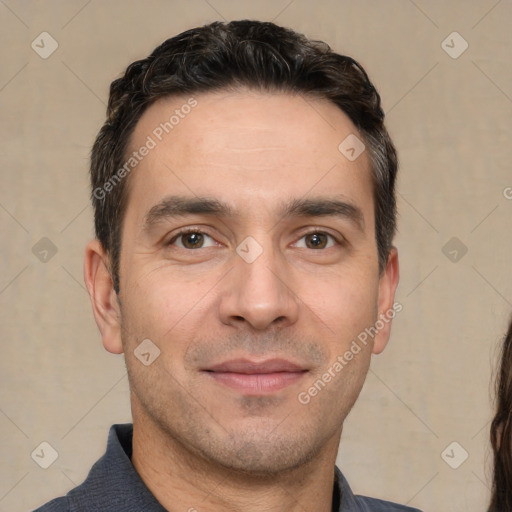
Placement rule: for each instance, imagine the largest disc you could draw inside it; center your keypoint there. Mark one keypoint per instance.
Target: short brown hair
(259, 55)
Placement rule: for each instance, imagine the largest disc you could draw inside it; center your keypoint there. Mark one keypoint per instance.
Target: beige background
(451, 121)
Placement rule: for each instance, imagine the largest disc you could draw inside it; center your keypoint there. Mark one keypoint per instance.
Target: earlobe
(103, 297)
(387, 307)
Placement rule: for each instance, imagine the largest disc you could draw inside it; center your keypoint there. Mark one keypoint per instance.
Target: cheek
(343, 304)
(161, 306)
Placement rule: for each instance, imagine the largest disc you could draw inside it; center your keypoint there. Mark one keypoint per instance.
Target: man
(243, 187)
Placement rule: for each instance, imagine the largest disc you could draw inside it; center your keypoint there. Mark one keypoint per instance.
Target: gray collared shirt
(113, 485)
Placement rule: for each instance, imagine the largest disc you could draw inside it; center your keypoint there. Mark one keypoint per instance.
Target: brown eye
(192, 240)
(316, 240)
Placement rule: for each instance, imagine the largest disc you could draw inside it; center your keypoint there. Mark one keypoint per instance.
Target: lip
(246, 366)
(256, 377)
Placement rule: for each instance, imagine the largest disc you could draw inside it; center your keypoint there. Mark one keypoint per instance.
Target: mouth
(256, 377)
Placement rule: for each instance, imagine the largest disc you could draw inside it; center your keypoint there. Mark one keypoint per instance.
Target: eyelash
(189, 230)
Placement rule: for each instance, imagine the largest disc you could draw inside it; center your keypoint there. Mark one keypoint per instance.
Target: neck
(182, 480)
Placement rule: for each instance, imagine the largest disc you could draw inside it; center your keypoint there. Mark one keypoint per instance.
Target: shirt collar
(113, 484)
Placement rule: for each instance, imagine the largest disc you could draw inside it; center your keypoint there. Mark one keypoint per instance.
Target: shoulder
(56, 505)
(375, 505)
(351, 502)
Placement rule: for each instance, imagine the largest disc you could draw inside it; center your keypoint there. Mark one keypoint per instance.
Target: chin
(257, 456)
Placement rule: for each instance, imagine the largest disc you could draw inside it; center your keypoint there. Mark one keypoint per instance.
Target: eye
(192, 239)
(316, 240)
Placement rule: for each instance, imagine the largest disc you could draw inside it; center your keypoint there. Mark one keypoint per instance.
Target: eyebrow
(322, 207)
(181, 206)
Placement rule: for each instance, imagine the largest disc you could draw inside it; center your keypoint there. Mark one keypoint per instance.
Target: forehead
(244, 144)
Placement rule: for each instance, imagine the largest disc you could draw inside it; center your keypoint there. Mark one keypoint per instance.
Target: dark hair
(501, 431)
(258, 55)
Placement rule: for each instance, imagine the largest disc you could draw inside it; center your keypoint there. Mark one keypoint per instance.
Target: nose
(259, 294)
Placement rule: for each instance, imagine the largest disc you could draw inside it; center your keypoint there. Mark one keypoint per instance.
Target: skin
(199, 444)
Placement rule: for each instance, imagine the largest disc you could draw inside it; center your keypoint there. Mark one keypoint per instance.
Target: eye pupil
(193, 240)
(316, 240)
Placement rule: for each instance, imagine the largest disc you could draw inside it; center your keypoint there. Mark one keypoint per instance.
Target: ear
(104, 301)
(387, 308)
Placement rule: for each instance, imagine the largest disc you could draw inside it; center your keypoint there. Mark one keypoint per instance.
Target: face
(249, 261)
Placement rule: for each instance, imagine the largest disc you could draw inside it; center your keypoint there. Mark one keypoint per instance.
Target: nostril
(280, 319)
